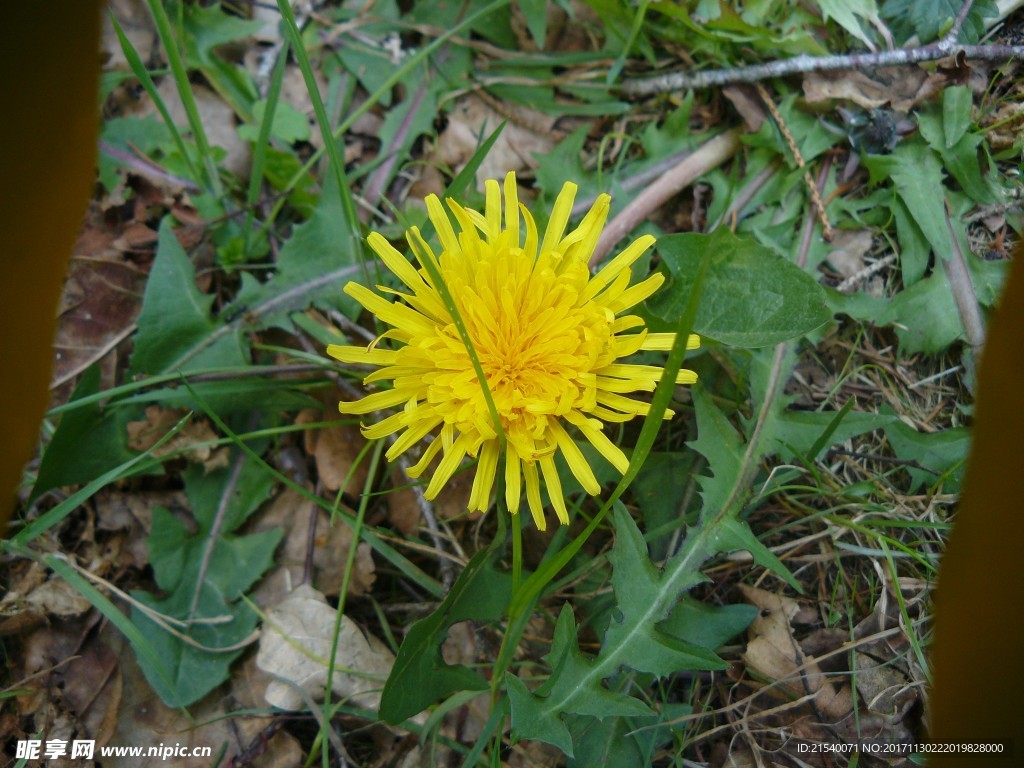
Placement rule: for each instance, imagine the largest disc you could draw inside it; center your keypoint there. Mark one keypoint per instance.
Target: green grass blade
(337, 162)
(259, 151)
(396, 77)
(188, 101)
(462, 179)
(142, 75)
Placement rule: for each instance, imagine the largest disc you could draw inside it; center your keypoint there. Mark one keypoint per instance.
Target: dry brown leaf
(848, 249)
(292, 512)
(883, 688)
(100, 300)
(516, 148)
(216, 116)
(136, 236)
(534, 754)
(143, 435)
(773, 652)
(93, 687)
(335, 450)
(403, 509)
(131, 515)
(1009, 117)
(460, 647)
(33, 592)
(740, 756)
(900, 88)
(39, 664)
(848, 86)
(295, 646)
(57, 598)
(282, 749)
(144, 720)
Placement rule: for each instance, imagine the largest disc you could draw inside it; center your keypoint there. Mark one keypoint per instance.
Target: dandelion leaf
(799, 432)
(321, 255)
(916, 172)
(205, 625)
(709, 626)
(722, 446)
(102, 429)
(733, 535)
(644, 597)
(176, 330)
(420, 676)
(207, 28)
(751, 296)
(725, 491)
(853, 16)
(575, 687)
(623, 742)
(931, 18)
(933, 456)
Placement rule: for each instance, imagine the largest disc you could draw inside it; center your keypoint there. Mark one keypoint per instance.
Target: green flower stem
(525, 596)
(517, 549)
(357, 531)
(534, 585)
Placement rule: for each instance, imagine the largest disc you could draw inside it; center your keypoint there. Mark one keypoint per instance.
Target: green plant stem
(517, 550)
(526, 595)
(396, 77)
(337, 162)
(188, 101)
(533, 586)
(143, 76)
(357, 529)
(259, 150)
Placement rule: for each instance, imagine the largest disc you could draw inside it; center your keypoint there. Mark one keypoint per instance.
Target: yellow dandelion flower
(549, 337)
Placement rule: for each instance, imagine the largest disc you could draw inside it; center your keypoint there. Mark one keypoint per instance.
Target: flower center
(537, 341)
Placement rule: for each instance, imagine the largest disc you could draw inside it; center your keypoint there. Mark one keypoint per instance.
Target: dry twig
(709, 156)
(803, 64)
(962, 287)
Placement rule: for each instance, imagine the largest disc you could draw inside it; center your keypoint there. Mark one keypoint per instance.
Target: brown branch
(958, 22)
(709, 156)
(678, 81)
(962, 287)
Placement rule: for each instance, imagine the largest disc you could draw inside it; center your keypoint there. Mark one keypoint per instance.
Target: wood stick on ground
(799, 65)
(709, 156)
(962, 287)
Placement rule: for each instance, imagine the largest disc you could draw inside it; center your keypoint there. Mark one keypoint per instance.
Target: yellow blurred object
(50, 65)
(978, 679)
